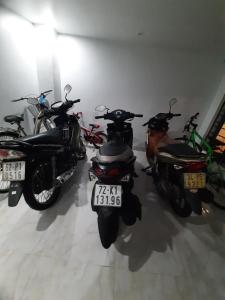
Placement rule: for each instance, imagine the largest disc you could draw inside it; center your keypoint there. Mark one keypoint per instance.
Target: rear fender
(15, 192)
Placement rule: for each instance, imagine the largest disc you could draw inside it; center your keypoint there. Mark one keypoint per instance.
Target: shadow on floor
(154, 232)
(3, 196)
(69, 196)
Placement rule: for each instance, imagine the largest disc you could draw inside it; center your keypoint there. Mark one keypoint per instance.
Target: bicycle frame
(215, 172)
(203, 144)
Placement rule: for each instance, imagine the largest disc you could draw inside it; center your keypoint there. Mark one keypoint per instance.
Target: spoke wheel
(38, 193)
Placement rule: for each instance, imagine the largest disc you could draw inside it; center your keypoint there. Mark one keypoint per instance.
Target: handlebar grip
(16, 100)
(195, 116)
(76, 101)
(49, 91)
(99, 117)
(176, 115)
(138, 115)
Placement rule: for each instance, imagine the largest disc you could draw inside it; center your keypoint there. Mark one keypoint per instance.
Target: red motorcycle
(91, 136)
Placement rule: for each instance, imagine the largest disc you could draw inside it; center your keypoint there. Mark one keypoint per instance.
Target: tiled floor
(56, 254)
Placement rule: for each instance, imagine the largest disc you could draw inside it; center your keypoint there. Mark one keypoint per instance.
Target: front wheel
(38, 190)
(108, 226)
(6, 136)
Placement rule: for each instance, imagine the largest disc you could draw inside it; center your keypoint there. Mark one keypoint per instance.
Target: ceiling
(174, 23)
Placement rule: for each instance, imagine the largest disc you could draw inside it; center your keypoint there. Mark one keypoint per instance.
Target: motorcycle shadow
(69, 196)
(3, 196)
(153, 233)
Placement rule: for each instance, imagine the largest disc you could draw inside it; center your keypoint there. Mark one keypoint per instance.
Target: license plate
(13, 171)
(194, 180)
(108, 195)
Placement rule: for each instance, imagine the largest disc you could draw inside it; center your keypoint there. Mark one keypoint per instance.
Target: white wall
(213, 108)
(18, 72)
(139, 79)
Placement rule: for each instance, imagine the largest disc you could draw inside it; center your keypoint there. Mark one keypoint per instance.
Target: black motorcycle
(38, 165)
(114, 168)
(179, 171)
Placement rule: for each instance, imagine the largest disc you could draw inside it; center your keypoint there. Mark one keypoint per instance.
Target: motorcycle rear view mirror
(57, 104)
(172, 102)
(101, 108)
(33, 101)
(67, 88)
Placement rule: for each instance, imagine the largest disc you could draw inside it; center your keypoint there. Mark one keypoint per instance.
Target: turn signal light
(98, 171)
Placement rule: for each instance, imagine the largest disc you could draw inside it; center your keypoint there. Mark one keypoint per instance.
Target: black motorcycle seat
(181, 150)
(52, 136)
(13, 119)
(113, 148)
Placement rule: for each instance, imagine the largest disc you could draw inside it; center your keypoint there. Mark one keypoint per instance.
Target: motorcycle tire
(131, 210)
(6, 136)
(108, 227)
(179, 203)
(36, 174)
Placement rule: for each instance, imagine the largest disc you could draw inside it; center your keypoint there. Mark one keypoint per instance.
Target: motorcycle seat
(181, 150)
(114, 151)
(94, 125)
(13, 119)
(52, 136)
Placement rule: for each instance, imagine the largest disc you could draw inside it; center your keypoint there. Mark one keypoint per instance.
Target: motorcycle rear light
(195, 166)
(10, 154)
(113, 172)
(4, 153)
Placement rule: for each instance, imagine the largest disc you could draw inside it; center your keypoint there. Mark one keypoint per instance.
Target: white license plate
(108, 195)
(13, 171)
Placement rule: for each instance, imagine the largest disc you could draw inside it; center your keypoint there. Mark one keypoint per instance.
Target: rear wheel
(108, 226)
(6, 136)
(38, 191)
(99, 140)
(179, 203)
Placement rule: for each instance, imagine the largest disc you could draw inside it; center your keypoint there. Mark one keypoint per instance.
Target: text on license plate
(13, 171)
(194, 180)
(108, 195)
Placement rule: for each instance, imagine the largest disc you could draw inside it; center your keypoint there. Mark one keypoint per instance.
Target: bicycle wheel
(99, 139)
(6, 136)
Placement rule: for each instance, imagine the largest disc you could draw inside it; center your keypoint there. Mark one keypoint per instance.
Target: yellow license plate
(194, 180)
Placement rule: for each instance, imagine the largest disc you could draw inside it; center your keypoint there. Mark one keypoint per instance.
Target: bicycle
(215, 168)
(90, 135)
(40, 103)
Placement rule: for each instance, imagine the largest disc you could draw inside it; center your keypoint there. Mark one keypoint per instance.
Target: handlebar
(119, 116)
(16, 100)
(162, 117)
(191, 123)
(26, 98)
(62, 109)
